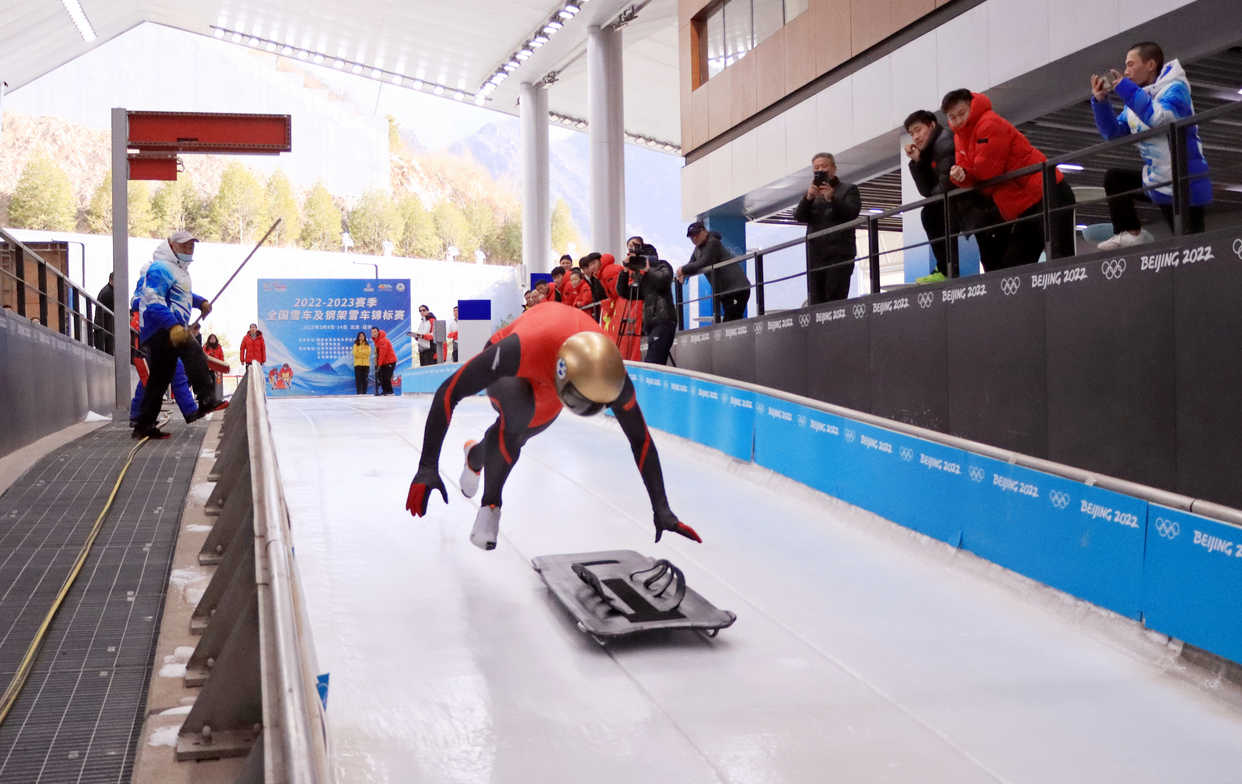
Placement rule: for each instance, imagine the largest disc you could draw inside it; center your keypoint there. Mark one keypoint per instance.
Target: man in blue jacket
(164, 318)
(1155, 93)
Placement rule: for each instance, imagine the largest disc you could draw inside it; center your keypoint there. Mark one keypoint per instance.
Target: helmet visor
(578, 403)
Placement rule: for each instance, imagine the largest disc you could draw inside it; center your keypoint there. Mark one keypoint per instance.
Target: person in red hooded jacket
(253, 349)
(551, 357)
(385, 359)
(988, 146)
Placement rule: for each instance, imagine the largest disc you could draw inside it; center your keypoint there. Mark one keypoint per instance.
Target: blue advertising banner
(309, 326)
(1192, 583)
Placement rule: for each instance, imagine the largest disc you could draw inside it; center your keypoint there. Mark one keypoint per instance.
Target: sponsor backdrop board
(309, 326)
(1128, 366)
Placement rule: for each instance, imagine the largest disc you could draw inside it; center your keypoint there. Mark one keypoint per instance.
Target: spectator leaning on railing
(931, 157)
(989, 146)
(1155, 94)
(730, 286)
(828, 202)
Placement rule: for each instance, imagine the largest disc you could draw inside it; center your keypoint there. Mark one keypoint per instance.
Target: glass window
(714, 52)
(739, 32)
(769, 17)
(793, 8)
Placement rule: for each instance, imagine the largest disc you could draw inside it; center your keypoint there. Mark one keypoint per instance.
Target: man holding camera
(645, 277)
(730, 286)
(829, 259)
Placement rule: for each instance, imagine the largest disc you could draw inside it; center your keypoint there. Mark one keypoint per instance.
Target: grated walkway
(80, 714)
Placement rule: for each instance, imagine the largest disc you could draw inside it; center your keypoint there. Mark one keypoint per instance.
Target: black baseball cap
(695, 228)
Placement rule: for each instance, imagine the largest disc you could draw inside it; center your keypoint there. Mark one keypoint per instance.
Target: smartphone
(820, 178)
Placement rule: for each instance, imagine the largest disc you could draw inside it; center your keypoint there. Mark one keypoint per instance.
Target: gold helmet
(589, 373)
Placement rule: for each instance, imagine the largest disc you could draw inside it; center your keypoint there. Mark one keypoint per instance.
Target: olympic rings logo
(801, 420)
(1237, 248)
(976, 474)
(1114, 268)
(860, 311)
(758, 327)
(805, 319)
(1059, 500)
(925, 299)
(850, 435)
(907, 453)
(1169, 529)
(1011, 285)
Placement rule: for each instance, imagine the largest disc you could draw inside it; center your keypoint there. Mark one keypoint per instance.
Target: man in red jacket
(988, 146)
(253, 349)
(549, 357)
(385, 359)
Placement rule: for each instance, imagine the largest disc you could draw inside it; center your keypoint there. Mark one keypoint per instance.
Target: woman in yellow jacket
(362, 362)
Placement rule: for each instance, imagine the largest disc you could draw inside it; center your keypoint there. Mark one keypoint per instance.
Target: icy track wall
(1176, 572)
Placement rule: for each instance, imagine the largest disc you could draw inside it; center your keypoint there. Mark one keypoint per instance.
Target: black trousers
(732, 306)
(828, 279)
(426, 356)
(934, 227)
(660, 342)
(383, 377)
(1121, 210)
(162, 358)
(1025, 239)
(362, 374)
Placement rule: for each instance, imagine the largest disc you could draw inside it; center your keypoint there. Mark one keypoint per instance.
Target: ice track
(862, 652)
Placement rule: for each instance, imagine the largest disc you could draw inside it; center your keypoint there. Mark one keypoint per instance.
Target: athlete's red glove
(426, 480)
(665, 520)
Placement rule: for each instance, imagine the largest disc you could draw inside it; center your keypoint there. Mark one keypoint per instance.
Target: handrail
(67, 305)
(294, 734)
(1215, 511)
(1179, 182)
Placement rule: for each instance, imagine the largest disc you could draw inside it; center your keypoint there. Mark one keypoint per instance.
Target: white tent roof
(456, 45)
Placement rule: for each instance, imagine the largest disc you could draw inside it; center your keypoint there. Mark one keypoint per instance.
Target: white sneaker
(486, 528)
(1127, 240)
(469, 477)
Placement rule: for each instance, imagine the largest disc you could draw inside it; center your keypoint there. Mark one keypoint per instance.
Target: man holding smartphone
(828, 202)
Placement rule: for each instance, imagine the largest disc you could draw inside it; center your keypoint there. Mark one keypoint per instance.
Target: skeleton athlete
(552, 356)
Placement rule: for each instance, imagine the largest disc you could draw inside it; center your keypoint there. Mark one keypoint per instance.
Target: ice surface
(863, 652)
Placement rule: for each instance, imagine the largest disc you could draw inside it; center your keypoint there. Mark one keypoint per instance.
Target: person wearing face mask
(164, 317)
(547, 359)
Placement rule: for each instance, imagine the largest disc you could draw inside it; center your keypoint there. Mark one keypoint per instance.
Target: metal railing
(1180, 182)
(256, 659)
(78, 315)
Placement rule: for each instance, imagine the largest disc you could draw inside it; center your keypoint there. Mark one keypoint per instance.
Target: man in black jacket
(827, 203)
(931, 157)
(104, 322)
(730, 286)
(655, 288)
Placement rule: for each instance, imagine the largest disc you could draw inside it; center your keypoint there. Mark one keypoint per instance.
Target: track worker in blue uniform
(164, 317)
(551, 357)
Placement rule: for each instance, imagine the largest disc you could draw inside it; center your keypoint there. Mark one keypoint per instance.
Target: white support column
(3, 86)
(536, 181)
(606, 127)
(120, 260)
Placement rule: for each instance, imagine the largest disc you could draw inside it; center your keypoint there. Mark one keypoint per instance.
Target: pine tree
(420, 240)
(454, 229)
(564, 231)
(43, 198)
(239, 209)
(283, 203)
(374, 220)
(177, 207)
(321, 220)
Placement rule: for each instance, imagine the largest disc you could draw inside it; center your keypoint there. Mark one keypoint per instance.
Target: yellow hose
(23, 672)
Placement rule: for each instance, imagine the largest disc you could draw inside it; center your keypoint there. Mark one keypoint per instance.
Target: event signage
(310, 324)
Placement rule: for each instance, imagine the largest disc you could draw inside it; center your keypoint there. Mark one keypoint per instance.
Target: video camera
(638, 259)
